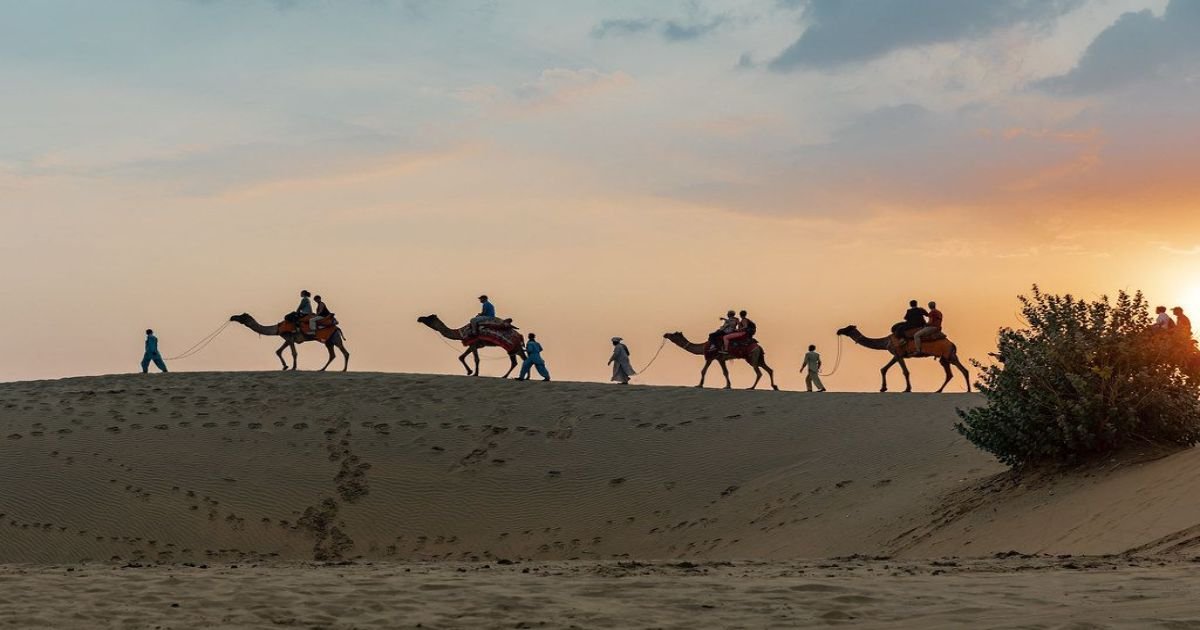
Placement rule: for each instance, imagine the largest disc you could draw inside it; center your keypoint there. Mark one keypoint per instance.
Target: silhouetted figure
(729, 323)
(745, 330)
(305, 307)
(1182, 323)
(812, 363)
(152, 354)
(1163, 322)
(487, 312)
(622, 369)
(533, 359)
(321, 314)
(933, 326)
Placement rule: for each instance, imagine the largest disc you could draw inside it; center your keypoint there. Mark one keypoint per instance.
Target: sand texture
(543, 502)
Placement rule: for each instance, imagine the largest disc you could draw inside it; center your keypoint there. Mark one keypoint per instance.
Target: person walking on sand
(533, 359)
(812, 363)
(152, 354)
(622, 369)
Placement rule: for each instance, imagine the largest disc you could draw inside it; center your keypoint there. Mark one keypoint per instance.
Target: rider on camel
(914, 319)
(487, 312)
(745, 329)
(933, 327)
(321, 314)
(729, 324)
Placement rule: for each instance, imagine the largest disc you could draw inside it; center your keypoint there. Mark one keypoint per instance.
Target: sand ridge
(255, 466)
(187, 467)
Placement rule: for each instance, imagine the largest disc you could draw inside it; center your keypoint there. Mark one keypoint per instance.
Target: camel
(457, 334)
(943, 349)
(290, 339)
(757, 359)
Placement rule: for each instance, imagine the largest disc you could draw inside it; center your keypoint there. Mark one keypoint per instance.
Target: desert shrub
(1083, 380)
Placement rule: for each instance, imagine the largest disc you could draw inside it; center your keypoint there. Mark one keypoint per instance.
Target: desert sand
(355, 500)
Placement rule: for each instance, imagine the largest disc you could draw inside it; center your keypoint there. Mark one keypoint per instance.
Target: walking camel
(903, 348)
(754, 355)
(513, 343)
(291, 336)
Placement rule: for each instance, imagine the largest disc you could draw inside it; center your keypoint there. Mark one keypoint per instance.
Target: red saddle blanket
(326, 326)
(738, 349)
(496, 333)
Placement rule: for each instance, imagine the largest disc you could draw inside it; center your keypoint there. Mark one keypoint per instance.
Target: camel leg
(904, 369)
(475, 355)
(329, 347)
(945, 366)
(770, 373)
(704, 371)
(962, 368)
(293, 346)
(462, 358)
(512, 357)
(345, 355)
(757, 375)
(279, 353)
(725, 371)
(884, 370)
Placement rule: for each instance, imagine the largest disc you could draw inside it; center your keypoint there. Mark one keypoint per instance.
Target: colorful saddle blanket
(326, 326)
(496, 332)
(738, 349)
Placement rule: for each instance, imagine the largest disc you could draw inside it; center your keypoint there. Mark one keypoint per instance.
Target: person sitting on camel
(729, 324)
(321, 314)
(487, 312)
(745, 330)
(934, 326)
(914, 319)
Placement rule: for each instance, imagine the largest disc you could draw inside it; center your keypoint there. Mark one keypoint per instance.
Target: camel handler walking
(812, 363)
(934, 325)
(152, 354)
(622, 370)
(533, 359)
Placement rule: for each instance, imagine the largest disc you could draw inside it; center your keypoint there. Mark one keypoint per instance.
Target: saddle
(738, 348)
(906, 331)
(497, 324)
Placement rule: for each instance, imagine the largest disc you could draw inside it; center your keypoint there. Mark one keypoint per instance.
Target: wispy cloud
(842, 32)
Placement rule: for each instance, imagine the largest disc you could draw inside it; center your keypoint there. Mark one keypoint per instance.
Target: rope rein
(838, 362)
(200, 345)
(653, 358)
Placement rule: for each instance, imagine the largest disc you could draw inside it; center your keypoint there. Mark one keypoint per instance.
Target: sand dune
(202, 499)
(195, 467)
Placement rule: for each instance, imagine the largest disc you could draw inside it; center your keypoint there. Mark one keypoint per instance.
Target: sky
(599, 167)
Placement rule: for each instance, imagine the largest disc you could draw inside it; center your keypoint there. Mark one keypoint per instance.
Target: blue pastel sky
(177, 160)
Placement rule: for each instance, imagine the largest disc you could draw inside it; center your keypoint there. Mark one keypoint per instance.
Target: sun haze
(598, 168)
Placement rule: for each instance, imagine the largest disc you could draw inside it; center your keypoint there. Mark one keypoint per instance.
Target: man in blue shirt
(152, 353)
(533, 358)
(487, 312)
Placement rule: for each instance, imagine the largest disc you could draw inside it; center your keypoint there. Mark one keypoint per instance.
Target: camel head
(848, 330)
(241, 319)
(428, 320)
(677, 338)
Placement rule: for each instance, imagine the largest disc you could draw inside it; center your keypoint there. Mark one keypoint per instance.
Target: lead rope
(838, 362)
(200, 345)
(653, 358)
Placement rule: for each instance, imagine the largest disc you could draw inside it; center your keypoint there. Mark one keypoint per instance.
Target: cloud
(842, 32)
(1138, 47)
(559, 86)
(670, 30)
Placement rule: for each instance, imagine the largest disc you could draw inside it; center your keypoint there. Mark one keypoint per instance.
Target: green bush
(1083, 380)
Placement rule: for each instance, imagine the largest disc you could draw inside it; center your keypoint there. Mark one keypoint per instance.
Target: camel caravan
(919, 335)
